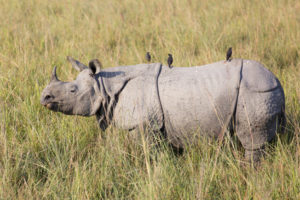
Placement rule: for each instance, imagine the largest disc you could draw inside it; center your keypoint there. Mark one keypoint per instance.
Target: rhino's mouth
(52, 106)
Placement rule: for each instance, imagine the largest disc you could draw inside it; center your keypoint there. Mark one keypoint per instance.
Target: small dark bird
(229, 53)
(148, 57)
(170, 60)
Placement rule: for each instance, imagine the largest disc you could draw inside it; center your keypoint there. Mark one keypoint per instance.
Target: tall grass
(46, 155)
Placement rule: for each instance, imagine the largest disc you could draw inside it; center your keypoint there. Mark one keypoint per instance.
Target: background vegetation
(46, 155)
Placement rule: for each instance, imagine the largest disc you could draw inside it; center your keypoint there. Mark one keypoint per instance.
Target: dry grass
(45, 155)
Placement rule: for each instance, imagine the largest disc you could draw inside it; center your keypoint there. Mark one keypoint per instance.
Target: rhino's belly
(193, 106)
(188, 118)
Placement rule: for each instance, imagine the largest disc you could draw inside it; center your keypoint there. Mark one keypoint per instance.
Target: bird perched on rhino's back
(170, 60)
(148, 57)
(229, 53)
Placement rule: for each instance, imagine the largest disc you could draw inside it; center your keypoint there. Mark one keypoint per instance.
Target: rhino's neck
(112, 82)
(105, 110)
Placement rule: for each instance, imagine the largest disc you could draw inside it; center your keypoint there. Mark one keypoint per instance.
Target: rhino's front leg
(254, 156)
(142, 135)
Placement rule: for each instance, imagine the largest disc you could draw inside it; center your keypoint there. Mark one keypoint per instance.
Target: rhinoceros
(240, 95)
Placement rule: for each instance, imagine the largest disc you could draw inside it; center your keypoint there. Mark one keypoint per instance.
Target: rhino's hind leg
(256, 121)
(254, 133)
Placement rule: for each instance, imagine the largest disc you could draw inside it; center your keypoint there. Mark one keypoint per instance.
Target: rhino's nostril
(47, 97)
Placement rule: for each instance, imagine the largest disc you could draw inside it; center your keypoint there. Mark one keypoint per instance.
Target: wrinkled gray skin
(182, 102)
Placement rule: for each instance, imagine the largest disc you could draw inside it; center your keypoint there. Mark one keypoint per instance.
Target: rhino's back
(256, 78)
(198, 98)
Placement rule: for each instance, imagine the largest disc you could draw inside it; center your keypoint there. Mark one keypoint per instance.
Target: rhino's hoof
(254, 156)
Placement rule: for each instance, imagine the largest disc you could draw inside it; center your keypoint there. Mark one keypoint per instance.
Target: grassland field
(47, 155)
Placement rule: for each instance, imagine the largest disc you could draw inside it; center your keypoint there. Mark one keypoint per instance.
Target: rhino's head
(82, 96)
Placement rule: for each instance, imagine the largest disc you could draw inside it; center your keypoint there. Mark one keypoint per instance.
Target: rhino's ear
(76, 64)
(95, 65)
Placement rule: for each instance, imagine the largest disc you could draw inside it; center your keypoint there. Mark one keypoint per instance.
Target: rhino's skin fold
(185, 102)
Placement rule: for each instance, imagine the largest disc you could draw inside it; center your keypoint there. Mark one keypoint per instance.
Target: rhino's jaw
(52, 106)
(46, 101)
(57, 106)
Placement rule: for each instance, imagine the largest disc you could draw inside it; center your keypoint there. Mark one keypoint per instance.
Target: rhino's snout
(46, 99)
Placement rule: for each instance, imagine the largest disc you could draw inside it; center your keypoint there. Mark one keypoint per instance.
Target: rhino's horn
(76, 64)
(54, 76)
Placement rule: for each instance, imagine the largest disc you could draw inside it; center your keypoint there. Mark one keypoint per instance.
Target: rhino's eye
(73, 89)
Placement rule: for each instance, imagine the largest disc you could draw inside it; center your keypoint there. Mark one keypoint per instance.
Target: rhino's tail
(282, 120)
